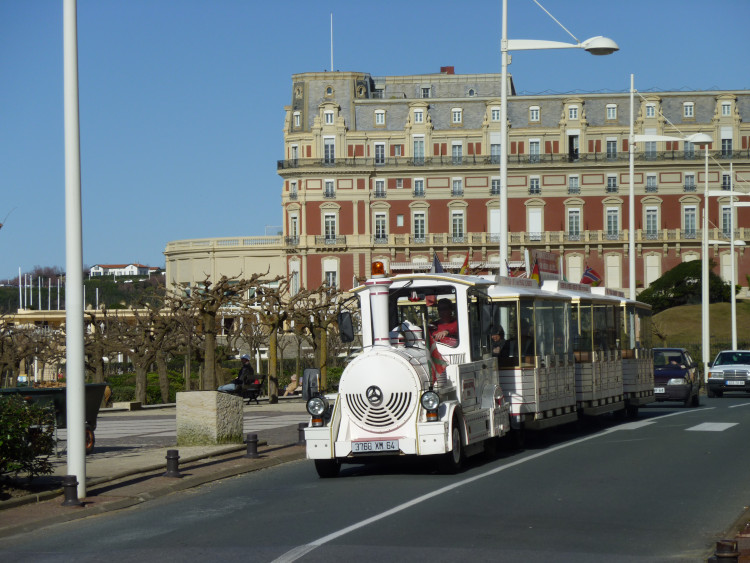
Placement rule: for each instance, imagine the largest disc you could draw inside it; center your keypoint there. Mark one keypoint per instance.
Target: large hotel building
(405, 168)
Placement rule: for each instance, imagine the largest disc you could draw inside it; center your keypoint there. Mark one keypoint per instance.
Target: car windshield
(664, 358)
(732, 358)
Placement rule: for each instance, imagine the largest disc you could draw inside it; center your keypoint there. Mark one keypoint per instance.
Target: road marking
(740, 405)
(712, 426)
(300, 551)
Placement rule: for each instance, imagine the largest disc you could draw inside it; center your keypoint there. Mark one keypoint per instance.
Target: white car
(730, 371)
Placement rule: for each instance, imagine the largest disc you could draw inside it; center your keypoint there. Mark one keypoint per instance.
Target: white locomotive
(432, 380)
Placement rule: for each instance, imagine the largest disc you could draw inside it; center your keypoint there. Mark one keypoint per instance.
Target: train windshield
(433, 308)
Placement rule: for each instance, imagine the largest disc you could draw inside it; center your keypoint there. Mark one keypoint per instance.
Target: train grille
(735, 374)
(391, 412)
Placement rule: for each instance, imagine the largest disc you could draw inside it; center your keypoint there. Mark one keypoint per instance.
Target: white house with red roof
(121, 270)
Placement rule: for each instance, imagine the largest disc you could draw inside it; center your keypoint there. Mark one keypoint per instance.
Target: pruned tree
(16, 344)
(206, 300)
(248, 332)
(317, 311)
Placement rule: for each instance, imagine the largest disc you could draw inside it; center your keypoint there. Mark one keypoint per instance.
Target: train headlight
(317, 407)
(430, 401)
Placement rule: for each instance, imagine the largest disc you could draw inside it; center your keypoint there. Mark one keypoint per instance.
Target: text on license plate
(375, 446)
(735, 382)
(659, 390)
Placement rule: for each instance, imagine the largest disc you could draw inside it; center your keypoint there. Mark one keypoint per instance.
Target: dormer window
(456, 116)
(688, 110)
(380, 117)
(328, 115)
(495, 114)
(611, 112)
(573, 113)
(726, 109)
(329, 91)
(418, 116)
(534, 114)
(650, 110)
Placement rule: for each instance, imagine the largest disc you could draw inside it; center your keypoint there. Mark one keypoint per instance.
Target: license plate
(659, 390)
(734, 383)
(375, 446)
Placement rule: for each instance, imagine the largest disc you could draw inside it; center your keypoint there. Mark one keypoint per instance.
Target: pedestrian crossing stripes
(712, 426)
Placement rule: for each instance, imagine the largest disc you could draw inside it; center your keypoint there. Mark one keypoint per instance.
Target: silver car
(730, 371)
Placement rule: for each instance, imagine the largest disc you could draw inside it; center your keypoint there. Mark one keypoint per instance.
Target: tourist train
(452, 363)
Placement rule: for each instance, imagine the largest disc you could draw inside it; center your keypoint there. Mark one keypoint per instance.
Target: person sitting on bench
(244, 378)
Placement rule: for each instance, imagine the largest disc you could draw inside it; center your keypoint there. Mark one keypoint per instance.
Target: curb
(47, 495)
(263, 462)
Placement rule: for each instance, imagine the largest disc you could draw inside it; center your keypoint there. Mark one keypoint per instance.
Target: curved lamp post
(596, 46)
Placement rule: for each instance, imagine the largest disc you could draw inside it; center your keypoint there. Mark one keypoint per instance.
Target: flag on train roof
(535, 272)
(437, 267)
(465, 266)
(590, 276)
(437, 362)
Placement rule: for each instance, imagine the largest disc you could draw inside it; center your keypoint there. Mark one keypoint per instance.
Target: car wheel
(710, 393)
(696, 401)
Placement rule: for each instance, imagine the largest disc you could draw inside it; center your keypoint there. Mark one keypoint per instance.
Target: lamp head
(600, 45)
(700, 139)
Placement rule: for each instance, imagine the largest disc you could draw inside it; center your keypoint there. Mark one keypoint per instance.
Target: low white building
(121, 270)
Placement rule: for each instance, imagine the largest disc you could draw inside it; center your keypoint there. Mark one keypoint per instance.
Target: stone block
(208, 418)
(129, 405)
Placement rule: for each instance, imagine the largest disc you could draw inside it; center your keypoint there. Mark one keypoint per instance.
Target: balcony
(418, 192)
(330, 240)
(522, 160)
(457, 192)
(293, 196)
(329, 194)
(379, 194)
(291, 241)
(380, 238)
(689, 187)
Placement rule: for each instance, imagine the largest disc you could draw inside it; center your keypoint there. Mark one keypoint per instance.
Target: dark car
(730, 371)
(676, 376)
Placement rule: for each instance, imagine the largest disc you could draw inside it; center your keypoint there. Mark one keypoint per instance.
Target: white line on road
(300, 551)
(712, 426)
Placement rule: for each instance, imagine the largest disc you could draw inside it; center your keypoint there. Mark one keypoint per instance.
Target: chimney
(447, 70)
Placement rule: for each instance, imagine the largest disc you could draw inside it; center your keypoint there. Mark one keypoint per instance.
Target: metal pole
(704, 273)
(504, 143)
(631, 196)
(75, 404)
(731, 254)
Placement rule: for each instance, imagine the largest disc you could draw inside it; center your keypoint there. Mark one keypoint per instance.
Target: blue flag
(437, 267)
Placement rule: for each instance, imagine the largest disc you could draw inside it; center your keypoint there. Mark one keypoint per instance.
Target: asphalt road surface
(663, 487)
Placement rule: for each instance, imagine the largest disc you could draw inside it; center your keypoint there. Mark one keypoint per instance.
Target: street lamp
(732, 243)
(701, 139)
(696, 138)
(596, 46)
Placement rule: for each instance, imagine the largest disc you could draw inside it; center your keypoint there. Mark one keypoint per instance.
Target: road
(663, 487)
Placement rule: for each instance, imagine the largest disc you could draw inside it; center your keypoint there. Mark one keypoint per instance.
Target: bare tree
(206, 301)
(317, 311)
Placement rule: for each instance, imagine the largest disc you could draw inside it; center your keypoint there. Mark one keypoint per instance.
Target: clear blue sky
(181, 101)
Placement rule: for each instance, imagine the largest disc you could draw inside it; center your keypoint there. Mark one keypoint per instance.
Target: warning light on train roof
(378, 269)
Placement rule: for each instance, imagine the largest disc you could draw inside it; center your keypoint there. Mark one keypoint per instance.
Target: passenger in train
(502, 348)
(527, 338)
(446, 328)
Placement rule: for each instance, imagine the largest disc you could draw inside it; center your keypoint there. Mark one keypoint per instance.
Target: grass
(683, 325)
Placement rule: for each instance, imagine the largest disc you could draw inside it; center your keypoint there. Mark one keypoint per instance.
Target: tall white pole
(731, 255)
(504, 144)
(331, 41)
(20, 290)
(704, 273)
(631, 195)
(74, 368)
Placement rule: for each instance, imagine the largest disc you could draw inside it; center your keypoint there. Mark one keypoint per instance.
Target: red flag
(591, 277)
(437, 363)
(465, 267)
(535, 272)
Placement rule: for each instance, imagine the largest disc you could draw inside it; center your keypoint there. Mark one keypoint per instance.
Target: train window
(478, 325)
(526, 333)
(504, 326)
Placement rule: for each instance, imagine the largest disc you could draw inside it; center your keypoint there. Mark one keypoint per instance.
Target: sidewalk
(126, 479)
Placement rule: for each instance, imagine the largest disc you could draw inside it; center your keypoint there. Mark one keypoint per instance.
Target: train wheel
(451, 461)
(327, 468)
(90, 441)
